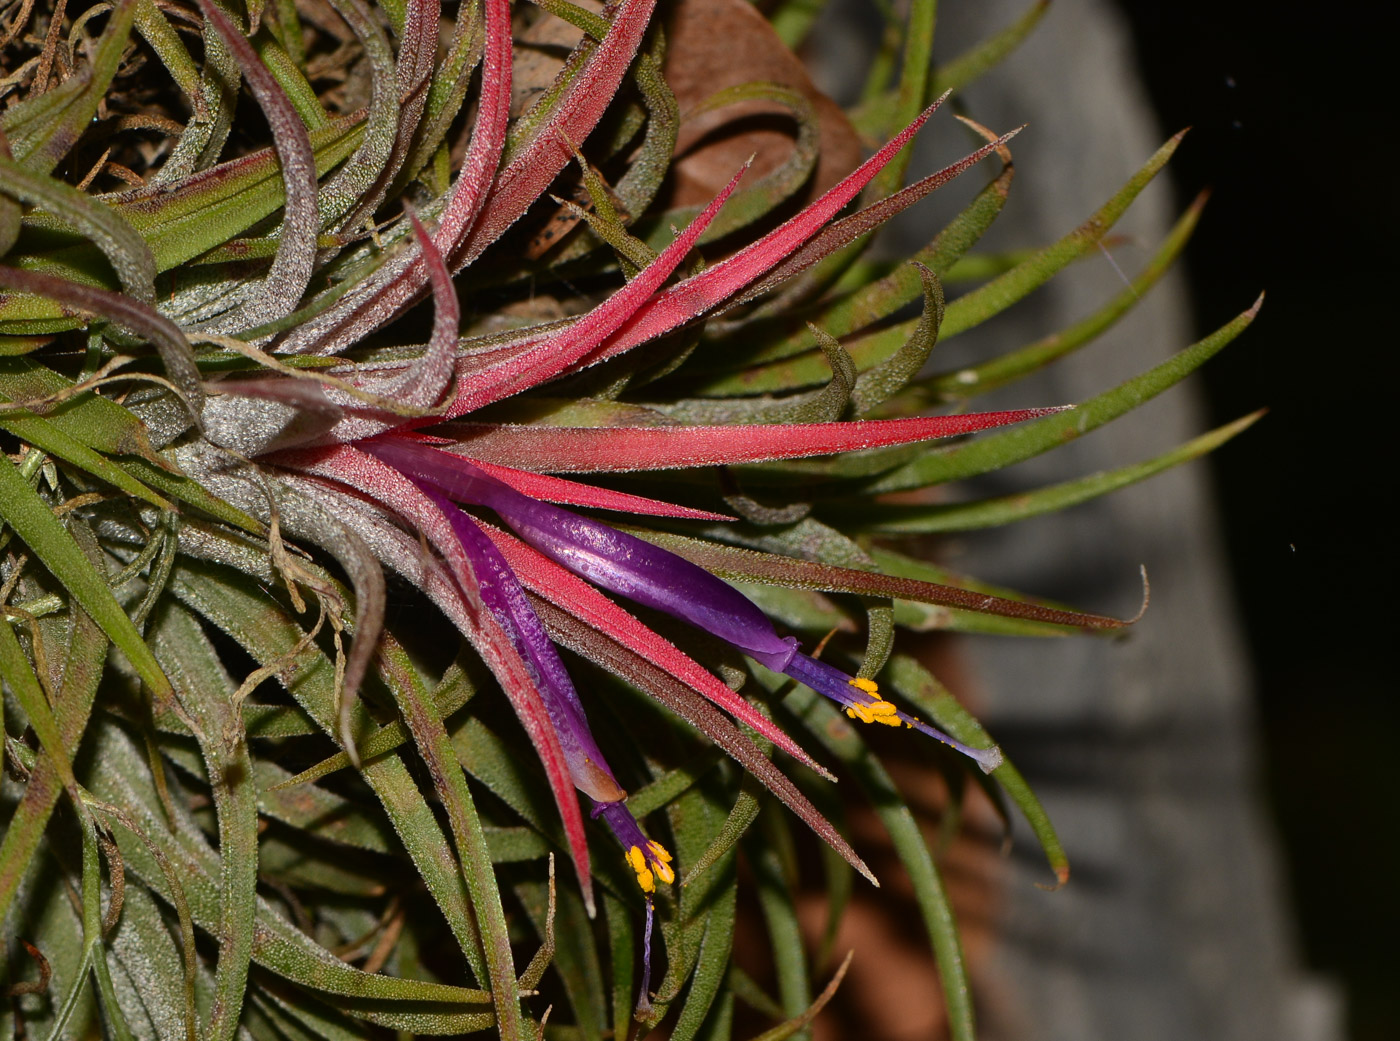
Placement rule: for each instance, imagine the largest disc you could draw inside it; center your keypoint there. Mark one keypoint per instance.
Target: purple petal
(501, 593)
(618, 562)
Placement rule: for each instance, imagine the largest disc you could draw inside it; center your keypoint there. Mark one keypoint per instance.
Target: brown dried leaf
(714, 44)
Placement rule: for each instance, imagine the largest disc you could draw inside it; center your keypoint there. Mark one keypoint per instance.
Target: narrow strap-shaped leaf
(430, 735)
(193, 493)
(230, 770)
(879, 383)
(446, 93)
(876, 300)
(91, 419)
(356, 190)
(278, 944)
(82, 670)
(857, 301)
(1003, 369)
(1008, 509)
(203, 210)
(922, 689)
(454, 692)
(716, 951)
(34, 522)
(552, 357)
(48, 437)
(151, 23)
(1007, 447)
(296, 249)
(622, 449)
(130, 313)
(748, 564)
(700, 293)
(846, 230)
(976, 60)
(43, 142)
(122, 245)
(779, 184)
(236, 606)
(395, 284)
(827, 724)
(975, 307)
(579, 109)
(21, 679)
(773, 883)
(573, 493)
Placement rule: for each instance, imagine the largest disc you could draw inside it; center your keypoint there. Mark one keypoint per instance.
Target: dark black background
(1294, 128)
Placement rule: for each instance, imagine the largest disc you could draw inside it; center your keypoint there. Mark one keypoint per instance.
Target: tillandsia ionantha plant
(311, 315)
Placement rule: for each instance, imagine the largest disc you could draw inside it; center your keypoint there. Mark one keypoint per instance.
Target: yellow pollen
(637, 861)
(877, 711)
(662, 864)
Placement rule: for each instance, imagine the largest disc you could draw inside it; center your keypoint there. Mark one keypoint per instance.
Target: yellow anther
(637, 861)
(662, 864)
(659, 851)
(884, 712)
(877, 711)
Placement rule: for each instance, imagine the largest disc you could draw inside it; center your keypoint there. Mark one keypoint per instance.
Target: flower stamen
(877, 710)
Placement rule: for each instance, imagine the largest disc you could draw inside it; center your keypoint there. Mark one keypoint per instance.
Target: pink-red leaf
(398, 283)
(552, 356)
(575, 116)
(617, 449)
(695, 296)
(572, 493)
(383, 484)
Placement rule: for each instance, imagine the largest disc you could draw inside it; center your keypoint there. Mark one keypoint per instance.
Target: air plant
(368, 336)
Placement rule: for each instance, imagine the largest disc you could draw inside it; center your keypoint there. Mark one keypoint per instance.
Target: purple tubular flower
(614, 560)
(503, 597)
(636, 569)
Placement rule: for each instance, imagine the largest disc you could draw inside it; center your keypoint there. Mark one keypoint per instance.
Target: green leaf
(972, 64)
(239, 607)
(450, 782)
(1041, 435)
(997, 372)
(1008, 509)
(180, 223)
(88, 417)
(975, 307)
(917, 684)
(131, 258)
(43, 130)
(50, 438)
(830, 728)
(207, 695)
(277, 945)
(77, 689)
(34, 522)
